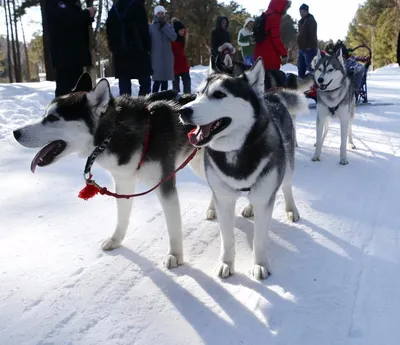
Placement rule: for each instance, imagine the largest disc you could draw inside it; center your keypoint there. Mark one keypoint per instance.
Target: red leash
(92, 188)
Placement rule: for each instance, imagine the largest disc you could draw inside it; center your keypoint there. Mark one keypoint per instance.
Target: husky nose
(17, 134)
(320, 80)
(186, 113)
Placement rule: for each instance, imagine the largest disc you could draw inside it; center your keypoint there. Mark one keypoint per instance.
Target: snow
(335, 274)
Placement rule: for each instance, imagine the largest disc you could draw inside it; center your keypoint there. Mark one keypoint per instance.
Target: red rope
(92, 188)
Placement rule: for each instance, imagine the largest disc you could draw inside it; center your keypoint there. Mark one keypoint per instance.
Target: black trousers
(157, 84)
(278, 75)
(66, 79)
(187, 87)
(125, 86)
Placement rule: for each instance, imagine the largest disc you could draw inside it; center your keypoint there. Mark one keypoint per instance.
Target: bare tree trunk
(18, 77)
(14, 55)
(92, 47)
(9, 69)
(50, 72)
(28, 68)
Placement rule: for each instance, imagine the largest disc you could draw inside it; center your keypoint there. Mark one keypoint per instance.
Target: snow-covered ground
(335, 273)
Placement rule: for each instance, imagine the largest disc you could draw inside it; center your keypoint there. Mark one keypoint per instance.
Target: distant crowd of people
(154, 53)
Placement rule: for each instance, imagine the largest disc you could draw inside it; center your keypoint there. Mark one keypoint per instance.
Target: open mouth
(48, 153)
(203, 134)
(324, 86)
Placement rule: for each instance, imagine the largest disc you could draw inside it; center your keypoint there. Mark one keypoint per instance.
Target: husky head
(68, 124)
(225, 109)
(329, 71)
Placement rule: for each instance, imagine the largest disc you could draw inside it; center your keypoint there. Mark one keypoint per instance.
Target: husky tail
(295, 101)
(293, 82)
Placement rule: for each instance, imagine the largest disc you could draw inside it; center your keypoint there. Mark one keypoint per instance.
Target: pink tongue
(43, 152)
(198, 134)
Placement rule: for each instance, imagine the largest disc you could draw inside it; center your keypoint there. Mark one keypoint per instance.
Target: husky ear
(84, 83)
(256, 76)
(316, 59)
(339, 56)
(100, 97)
(212, 67)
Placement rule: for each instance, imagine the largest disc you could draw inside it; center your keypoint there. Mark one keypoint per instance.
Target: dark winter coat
(272, 49)
(219, 36)
(398, 49)
(307, 38)
(69, 35)
(162, 58)
(131, 58)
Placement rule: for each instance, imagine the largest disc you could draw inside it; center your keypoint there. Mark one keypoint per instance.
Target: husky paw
(296, 144)
(353, 146)
(343, 161)
(315, 144)
(224, 270)
(315, 159)
(260, 272)
(211, 214)
(110, 244)
(293, 216)
(248, 211)
(172, 261)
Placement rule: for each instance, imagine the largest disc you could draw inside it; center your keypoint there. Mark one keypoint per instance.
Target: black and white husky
(249, 147)
(335, 99)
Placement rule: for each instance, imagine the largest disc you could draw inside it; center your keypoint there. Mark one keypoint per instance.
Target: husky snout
(17, 134)
(320, 80)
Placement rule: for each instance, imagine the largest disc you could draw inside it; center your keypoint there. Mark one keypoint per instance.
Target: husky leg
(226, 217)
(124, 206)
(248, 211)
(344, 132)
(294, 131)
(326, 129)
(290, 205)
(211, 212)
(168, 197)
(262, 222)
(318, 146)
(351, 131)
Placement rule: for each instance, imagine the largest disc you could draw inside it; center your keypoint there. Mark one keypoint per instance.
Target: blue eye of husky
(219, 95)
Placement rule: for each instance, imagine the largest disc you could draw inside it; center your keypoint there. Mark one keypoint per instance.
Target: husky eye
(219, 95)
(330, 70)
(51, 118)
(320, 69)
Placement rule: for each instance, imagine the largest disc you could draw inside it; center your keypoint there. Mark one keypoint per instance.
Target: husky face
(329, 71)
(68, 123)
(225, 109)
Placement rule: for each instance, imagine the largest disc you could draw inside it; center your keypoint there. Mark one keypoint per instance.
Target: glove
(284, 60)
(162, 24)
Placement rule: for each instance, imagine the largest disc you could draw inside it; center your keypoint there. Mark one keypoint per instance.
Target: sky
(333, 17)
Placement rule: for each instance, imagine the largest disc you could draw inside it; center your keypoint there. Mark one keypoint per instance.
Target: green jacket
(245, 40)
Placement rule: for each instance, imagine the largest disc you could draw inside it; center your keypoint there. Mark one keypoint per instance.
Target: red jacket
(272, 49)
(181, 64)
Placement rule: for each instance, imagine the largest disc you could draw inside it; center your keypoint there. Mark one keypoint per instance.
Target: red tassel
(88, 192)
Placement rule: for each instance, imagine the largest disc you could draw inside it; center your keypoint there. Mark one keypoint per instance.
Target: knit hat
(178, 25)
(304, 7)
(158, 9)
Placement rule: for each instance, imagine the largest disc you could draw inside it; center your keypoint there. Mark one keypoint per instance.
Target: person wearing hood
(129, 41)
(271, 49)
(162, 57)
(69, 42)
(246, 41)
(220, 35)
(181, 65)
(307, 41)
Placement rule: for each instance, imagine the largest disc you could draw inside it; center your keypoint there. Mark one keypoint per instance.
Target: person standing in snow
(219, 36)
(271, 49)
(129, 40)
(69, 42)
(162, 57)
(307, 41)
(181, 65)
(246, 41)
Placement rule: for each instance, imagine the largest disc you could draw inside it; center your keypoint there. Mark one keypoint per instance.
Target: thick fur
(253, 153)
(335, 98)
(84, 118)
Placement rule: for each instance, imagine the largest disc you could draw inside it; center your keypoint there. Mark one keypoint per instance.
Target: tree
(10, 76)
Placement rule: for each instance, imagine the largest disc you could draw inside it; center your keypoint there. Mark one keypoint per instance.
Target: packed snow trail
(334, 274)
